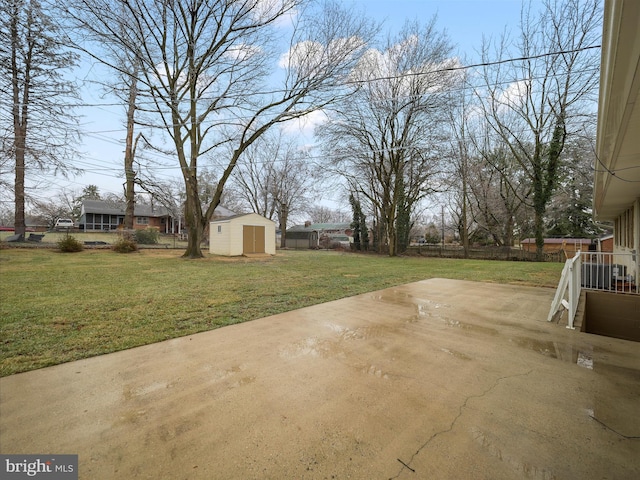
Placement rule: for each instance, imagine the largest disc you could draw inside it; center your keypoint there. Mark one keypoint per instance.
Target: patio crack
(406, 465)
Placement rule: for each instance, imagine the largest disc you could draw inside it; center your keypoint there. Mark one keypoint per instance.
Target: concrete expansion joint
(407, 465)
(626, 437)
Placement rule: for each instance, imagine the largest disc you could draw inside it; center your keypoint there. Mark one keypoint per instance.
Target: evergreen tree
(359, 225)
(403, 223)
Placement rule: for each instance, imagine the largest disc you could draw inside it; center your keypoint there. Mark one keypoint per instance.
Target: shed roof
(223, 219)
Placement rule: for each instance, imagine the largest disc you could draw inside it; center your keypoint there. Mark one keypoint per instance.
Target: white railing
(609, 272)
(569, 286)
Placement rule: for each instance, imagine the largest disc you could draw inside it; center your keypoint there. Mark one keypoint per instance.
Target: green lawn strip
(59, 307)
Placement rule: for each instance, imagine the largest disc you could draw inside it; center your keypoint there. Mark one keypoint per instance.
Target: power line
(347, 82)
(482, 64)
(97, 168)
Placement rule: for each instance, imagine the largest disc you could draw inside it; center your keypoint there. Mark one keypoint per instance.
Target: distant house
(570, 246)
(242, 235)
(100, 215)
(36, 224)
(318, 235)
(604, 244)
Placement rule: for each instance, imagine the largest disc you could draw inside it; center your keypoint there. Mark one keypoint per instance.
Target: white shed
(242, 235)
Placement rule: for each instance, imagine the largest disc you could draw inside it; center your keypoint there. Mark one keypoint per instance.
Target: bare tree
(462, 143)
(131, 85)
(325, 214)
(275, 179)
(497, 194)
(385, 138)
(37, 127)
(205, 71)
(535, 105)
(62, 205)
(124, 86)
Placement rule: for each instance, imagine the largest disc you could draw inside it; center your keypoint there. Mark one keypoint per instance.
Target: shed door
(253, 239)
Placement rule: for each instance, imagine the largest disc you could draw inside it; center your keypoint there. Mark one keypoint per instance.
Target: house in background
(246, 234)
(616, 194)
(36, 224)
(100, 215)
(319, 235)
(570, 246)
(604, 244)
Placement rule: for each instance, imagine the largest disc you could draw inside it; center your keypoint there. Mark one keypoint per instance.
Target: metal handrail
(569, 283)
(610, 272)
(601, 271)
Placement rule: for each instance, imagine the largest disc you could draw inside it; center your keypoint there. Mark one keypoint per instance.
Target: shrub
(126, 243)
(70, 244)
(148, 236)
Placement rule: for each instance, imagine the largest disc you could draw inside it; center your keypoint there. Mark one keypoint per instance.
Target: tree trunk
(508, 232)
(129, 154)
(19, 128)
(539, 228)
(19, 225)
(284, 218)
(392, 238)
(129, 194)
(196, 234)
(465, 226)
(193, 218)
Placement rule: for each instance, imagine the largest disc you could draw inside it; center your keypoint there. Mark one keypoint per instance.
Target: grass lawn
(59, 307)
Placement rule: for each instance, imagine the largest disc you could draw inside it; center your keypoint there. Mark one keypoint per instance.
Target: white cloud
(243, 52)
(304, 126)
(301, 55)
(310, 56)
(376, 64)
(514, 94)
(268, 8)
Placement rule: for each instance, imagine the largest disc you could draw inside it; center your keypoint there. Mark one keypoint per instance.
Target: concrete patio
(438, 379)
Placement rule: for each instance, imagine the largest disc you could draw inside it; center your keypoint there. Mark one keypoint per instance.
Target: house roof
(617, 170)
(118, 208)
(320, 227)
(554, 241)
(221, 212)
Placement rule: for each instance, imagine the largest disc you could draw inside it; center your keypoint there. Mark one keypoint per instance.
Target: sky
(466, 21)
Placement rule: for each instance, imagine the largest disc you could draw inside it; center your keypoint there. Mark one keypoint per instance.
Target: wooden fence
(484, 253)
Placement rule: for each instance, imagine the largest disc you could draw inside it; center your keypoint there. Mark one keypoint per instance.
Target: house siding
(220, 238)
(98, 215)
(626, 230)
(228, 239)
